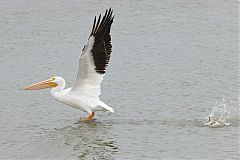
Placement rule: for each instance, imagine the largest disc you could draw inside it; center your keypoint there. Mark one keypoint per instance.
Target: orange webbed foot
(89, 117)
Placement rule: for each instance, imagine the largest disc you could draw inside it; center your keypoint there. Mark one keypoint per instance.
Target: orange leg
(90, 116)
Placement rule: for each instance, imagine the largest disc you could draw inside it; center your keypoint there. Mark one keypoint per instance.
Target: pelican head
(54, 82)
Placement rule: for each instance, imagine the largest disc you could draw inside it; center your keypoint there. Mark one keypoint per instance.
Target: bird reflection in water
(89, 140)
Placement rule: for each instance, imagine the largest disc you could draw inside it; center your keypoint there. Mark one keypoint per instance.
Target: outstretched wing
(95, 57)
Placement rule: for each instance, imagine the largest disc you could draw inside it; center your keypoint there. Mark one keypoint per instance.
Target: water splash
(221, 111)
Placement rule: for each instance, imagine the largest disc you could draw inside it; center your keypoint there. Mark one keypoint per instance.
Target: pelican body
(93, 62)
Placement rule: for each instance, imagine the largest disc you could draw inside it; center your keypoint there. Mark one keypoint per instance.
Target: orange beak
(41, 85)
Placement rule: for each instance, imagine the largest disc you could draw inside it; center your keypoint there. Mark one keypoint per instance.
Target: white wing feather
(94, 58)
(88, 81)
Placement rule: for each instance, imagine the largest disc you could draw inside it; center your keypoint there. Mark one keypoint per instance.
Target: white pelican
(93, 62)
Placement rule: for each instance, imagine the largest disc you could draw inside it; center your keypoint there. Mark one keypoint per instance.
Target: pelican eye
(53, 78)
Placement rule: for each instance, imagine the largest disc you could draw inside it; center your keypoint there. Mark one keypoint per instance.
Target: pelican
(93, 62)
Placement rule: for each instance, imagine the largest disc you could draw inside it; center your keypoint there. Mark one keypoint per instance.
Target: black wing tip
(102, 47)
(100, 23)
(100, 71)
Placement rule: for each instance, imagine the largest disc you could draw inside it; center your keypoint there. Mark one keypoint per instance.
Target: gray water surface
(171, 62)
